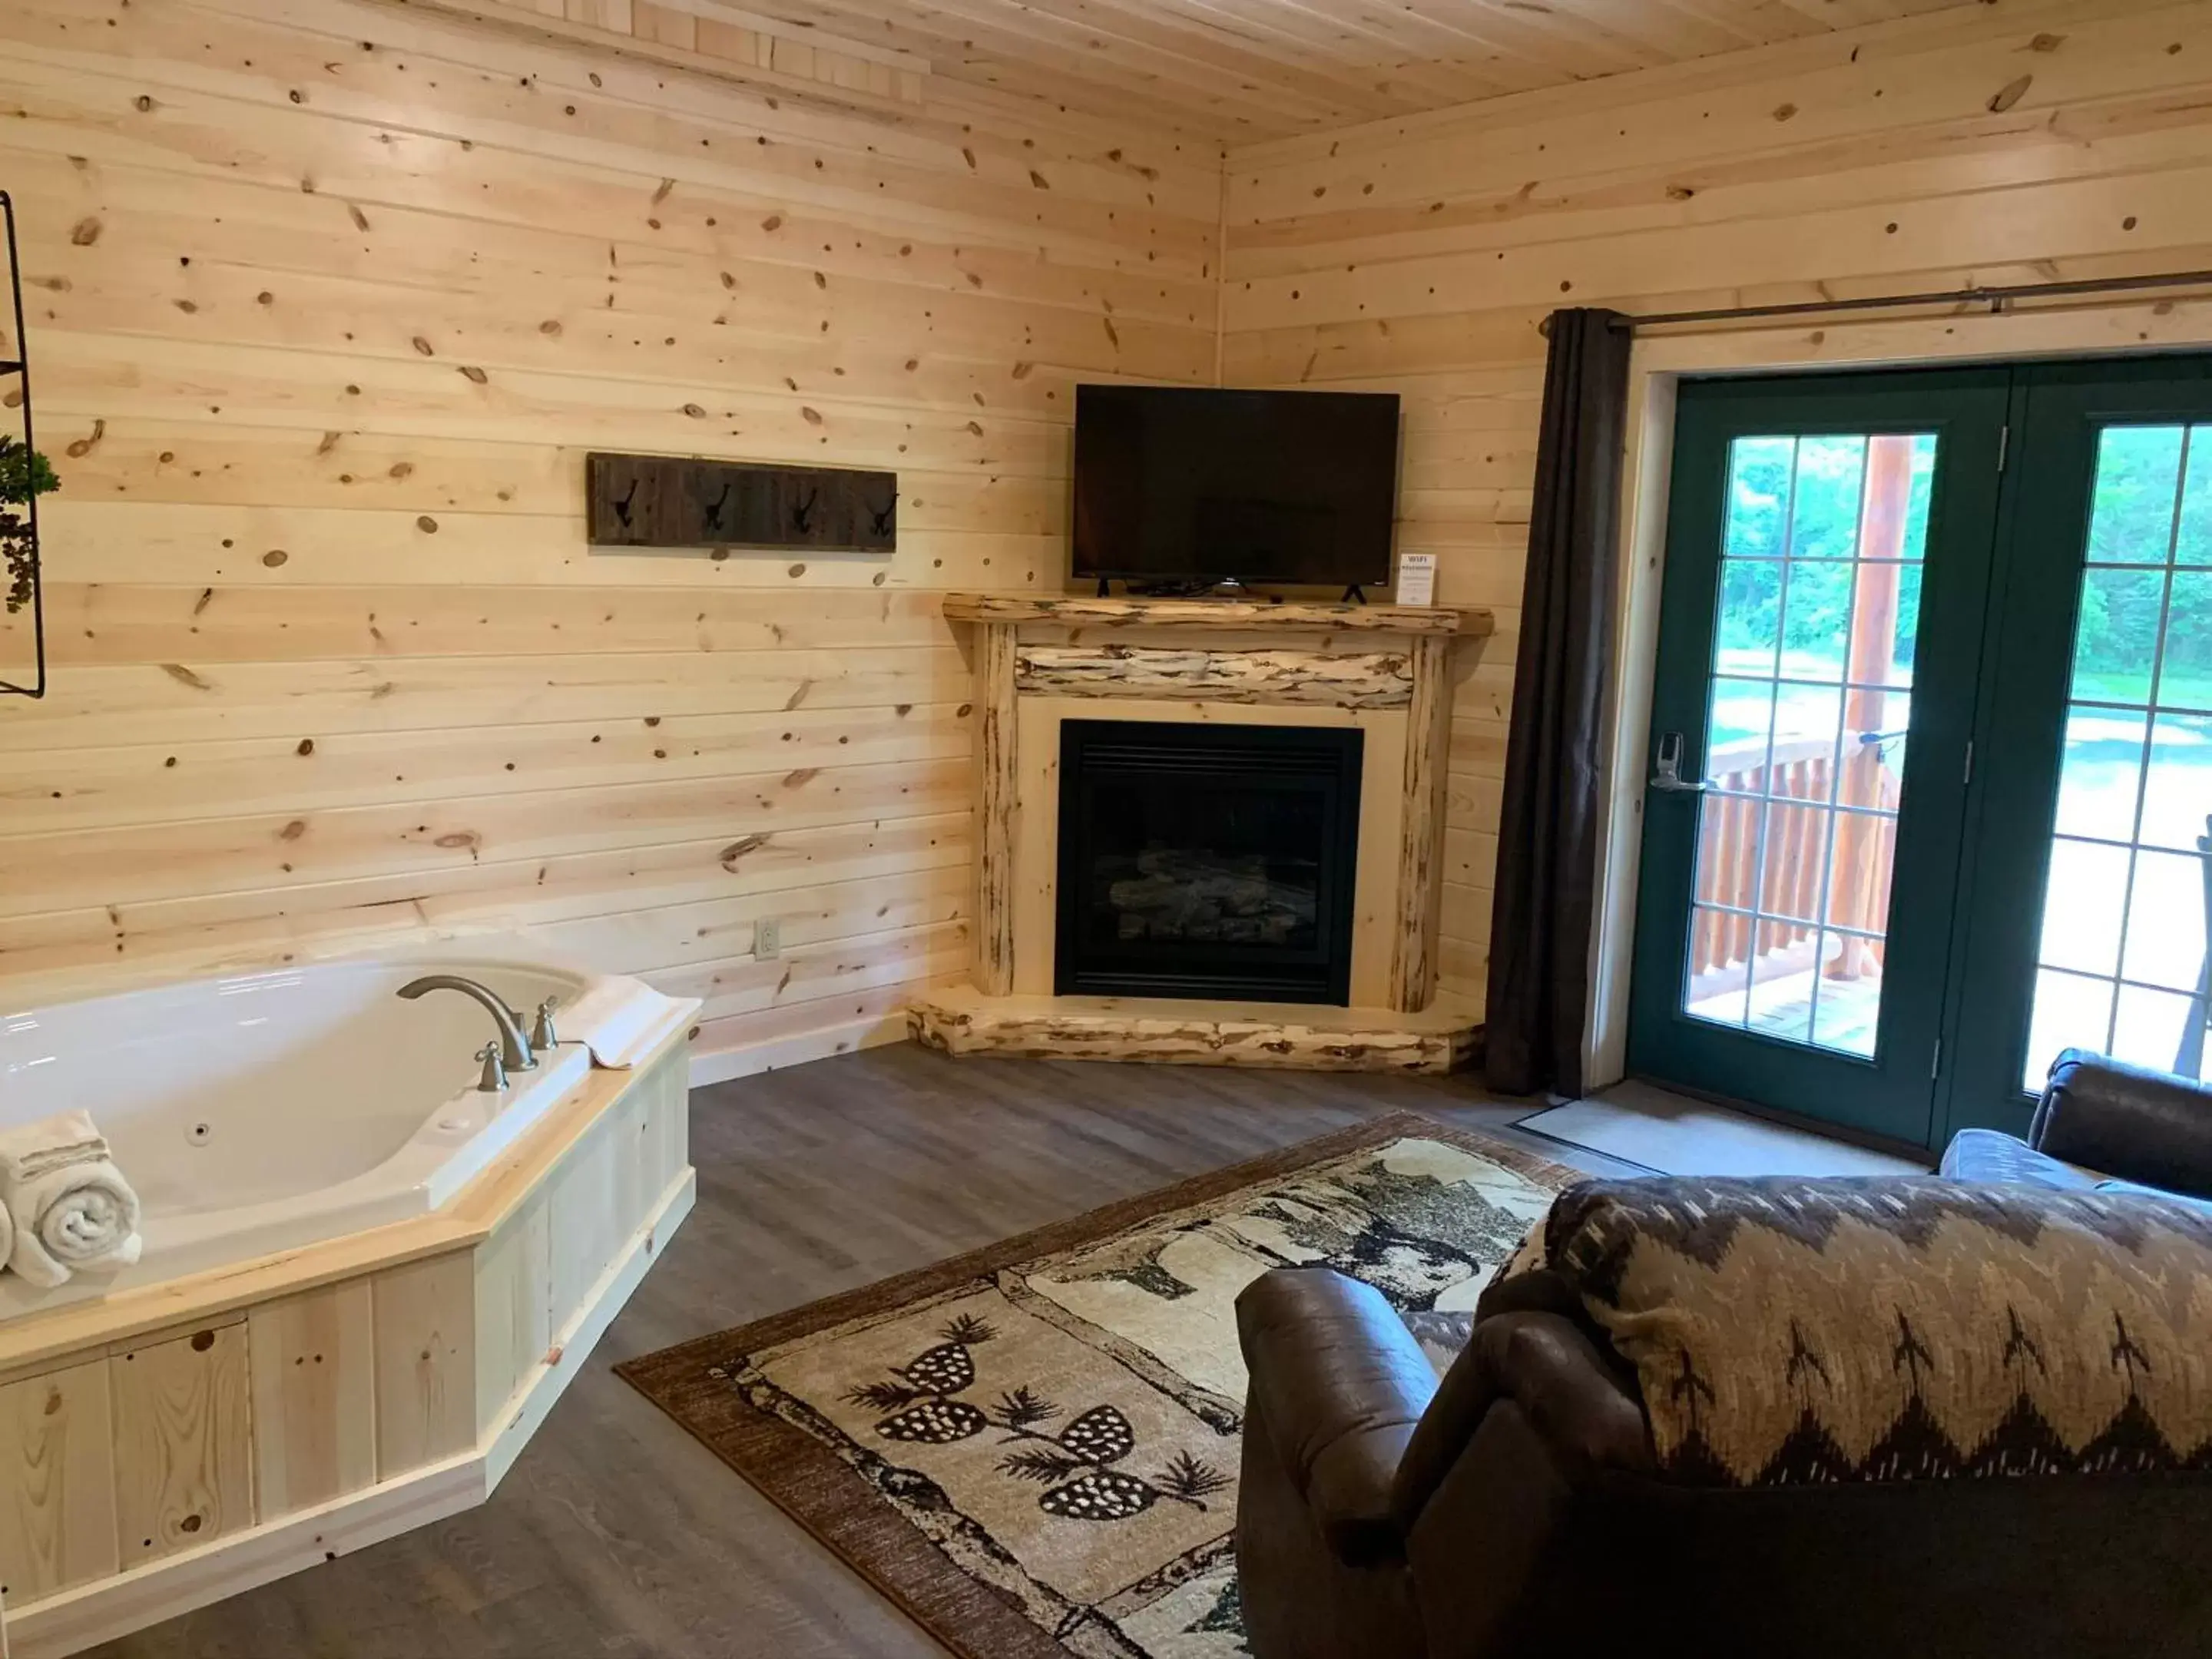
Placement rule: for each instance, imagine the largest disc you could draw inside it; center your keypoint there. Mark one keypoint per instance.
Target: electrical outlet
(768, 939)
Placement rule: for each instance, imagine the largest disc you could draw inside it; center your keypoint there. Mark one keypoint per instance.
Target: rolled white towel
(68, 1205)
(620, 1019)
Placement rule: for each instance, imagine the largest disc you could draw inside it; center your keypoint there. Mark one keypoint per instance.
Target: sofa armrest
(2120, 1119)
(1341, 1383)
(1587, 1414)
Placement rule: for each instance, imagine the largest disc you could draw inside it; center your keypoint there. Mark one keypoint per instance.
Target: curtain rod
(1996, 298)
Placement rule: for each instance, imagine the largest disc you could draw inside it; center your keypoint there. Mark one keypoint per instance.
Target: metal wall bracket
(21, 589)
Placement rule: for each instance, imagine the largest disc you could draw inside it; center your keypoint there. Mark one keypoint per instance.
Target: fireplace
(1206, 860)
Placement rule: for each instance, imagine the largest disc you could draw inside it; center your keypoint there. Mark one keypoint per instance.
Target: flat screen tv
(1186, 484)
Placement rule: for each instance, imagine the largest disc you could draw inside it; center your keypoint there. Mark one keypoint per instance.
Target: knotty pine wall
(329, 299)
(2018, 142)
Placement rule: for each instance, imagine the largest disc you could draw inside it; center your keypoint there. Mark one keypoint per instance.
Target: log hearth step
(1298, 1036)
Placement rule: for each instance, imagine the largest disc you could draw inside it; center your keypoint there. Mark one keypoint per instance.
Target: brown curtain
(1547, 833)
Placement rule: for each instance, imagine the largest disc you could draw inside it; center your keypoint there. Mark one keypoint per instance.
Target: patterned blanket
(1786, 1329)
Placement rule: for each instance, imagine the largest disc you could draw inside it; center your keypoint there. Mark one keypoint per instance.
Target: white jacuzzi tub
(260, 1112)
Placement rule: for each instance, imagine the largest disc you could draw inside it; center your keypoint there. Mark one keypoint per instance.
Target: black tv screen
(1184, 484)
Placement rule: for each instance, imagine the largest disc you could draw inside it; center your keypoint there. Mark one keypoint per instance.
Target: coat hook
(804, 512)
(882, 518)
(622, 506)
(715, 512)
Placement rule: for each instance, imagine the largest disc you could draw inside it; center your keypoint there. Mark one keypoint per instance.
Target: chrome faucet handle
(541, 1037)
(494, 1075)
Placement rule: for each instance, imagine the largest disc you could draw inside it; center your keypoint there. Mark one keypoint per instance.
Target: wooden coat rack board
(659, 501)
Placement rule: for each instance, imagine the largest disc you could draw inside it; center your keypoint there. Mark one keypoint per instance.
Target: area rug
(1033, 1448)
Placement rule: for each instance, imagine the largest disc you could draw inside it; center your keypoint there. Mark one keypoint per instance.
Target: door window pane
(2131, 511)
(1760, 473)
(1778, 1007)
(1819, 608)
(1751, 600)
(1816, 620)
(2084, 934)
(1848, 1009)
(1894, 666)
(2177, 783)
(2125, 899)
(1740, 730)
(2148, 1022)
(2098, 780)
(1922, 493)
(2165, 918)
(2072, 1010)
(1824, 519)
(2116, 638)
(2192, 542)
(2184, 667)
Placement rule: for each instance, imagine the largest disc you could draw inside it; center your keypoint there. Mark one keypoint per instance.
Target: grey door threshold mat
(1675, 1135)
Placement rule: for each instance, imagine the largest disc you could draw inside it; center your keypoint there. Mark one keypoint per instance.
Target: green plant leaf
(24, 472)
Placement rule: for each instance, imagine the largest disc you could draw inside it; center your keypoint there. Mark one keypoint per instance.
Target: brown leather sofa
(1516, 1510)
(1513, 1513)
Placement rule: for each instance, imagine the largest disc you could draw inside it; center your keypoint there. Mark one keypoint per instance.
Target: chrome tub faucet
(513, 1049)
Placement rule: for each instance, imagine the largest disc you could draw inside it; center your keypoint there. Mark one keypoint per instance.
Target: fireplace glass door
(1206, 860)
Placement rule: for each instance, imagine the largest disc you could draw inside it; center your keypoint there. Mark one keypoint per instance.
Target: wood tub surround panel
(184, 1466)
(58, 1519)
(369, 1390)
(314, 1360)
(515, 1318)
(426, 1390)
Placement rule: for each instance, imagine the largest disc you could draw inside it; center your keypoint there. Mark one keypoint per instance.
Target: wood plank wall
(329, 297)
(686, 32)
(2014, 143)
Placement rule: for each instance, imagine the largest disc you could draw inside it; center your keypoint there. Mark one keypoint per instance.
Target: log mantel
(1387, 667)
(1082, 611)
(957, 1020)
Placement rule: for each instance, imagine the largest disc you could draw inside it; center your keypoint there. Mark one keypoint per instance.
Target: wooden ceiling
(1242, 70)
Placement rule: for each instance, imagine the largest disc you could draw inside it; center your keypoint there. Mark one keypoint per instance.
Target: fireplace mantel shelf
(1082, 611)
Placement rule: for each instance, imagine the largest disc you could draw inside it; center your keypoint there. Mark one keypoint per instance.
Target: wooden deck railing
(1723, 946)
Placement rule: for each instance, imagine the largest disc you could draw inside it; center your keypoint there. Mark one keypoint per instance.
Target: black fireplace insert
(1206, 860)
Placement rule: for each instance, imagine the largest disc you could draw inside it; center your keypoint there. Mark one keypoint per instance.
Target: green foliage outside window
(2153, 493)
(1801, 498)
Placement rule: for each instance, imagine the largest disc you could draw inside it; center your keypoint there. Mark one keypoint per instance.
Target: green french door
(2083, 901)
(1827, 572)
(1935, 684)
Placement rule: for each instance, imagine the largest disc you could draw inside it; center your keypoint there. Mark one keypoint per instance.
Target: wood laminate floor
(615, 1533)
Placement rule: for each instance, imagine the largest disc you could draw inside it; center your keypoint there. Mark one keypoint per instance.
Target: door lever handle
(1668, 776)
